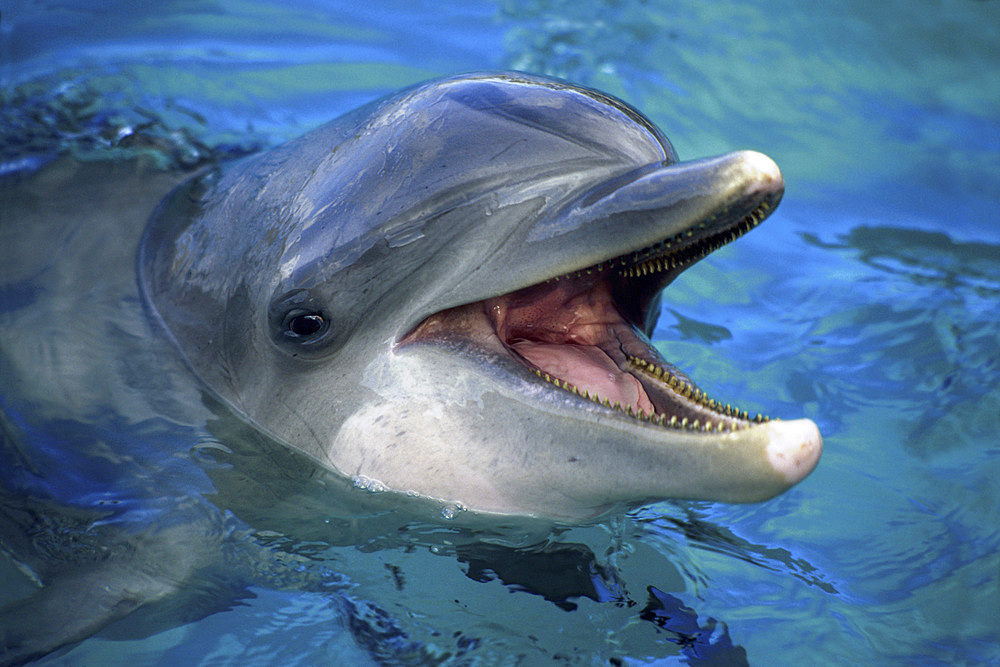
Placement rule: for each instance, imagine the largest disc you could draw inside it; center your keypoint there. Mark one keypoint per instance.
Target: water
(867, 303)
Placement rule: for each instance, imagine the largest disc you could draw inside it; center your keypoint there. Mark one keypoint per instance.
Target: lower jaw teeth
(662, 419)
(687, 390)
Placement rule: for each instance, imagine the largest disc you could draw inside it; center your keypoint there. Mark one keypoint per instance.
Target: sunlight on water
(867, 303)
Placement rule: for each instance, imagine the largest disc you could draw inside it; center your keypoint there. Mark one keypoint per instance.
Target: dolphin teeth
(697, 395)
(738, 419)
(663, 255)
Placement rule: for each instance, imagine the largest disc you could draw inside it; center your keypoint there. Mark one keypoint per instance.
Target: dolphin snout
(793, 448)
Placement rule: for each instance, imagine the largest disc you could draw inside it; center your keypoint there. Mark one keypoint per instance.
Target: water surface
(868, 303)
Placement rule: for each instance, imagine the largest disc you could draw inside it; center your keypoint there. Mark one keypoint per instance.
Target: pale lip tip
(764, 170)
(794, 448)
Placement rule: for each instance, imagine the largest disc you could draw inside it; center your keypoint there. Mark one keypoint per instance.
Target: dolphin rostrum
(449, 293)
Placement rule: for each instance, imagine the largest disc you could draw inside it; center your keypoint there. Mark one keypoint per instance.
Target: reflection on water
(933, 331)
(700, 531)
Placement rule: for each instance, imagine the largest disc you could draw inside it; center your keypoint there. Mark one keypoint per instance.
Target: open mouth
(584, 333)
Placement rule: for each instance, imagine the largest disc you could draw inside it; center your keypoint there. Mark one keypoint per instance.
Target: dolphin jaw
(582, 332)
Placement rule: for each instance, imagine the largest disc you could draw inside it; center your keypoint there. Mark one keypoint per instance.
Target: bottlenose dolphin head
(449, 293)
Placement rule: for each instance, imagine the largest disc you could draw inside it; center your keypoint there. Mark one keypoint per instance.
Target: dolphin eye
(304, 325)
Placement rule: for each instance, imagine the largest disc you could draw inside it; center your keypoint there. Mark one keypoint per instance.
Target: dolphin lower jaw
(469, 426)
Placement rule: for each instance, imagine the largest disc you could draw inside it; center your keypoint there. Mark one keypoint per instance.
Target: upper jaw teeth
(679, 251)
(675, 252)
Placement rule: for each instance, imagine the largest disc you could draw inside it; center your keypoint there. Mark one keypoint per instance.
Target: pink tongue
(588, 368)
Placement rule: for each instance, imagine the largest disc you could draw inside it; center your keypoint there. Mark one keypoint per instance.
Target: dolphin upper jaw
(628, 217)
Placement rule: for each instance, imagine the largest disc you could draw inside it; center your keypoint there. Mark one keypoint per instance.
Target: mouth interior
(582, 333)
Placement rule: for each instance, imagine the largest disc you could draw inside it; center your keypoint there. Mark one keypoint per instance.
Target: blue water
(867, 302)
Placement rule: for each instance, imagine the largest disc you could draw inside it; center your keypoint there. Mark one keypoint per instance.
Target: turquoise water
(867, 302)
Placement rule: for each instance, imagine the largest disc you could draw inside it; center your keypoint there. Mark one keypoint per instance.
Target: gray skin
(379, 293)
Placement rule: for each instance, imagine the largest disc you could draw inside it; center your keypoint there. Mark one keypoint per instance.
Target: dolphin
(449, 293)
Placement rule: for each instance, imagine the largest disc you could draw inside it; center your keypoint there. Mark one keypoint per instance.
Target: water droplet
(368, 484)
(452, 510)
